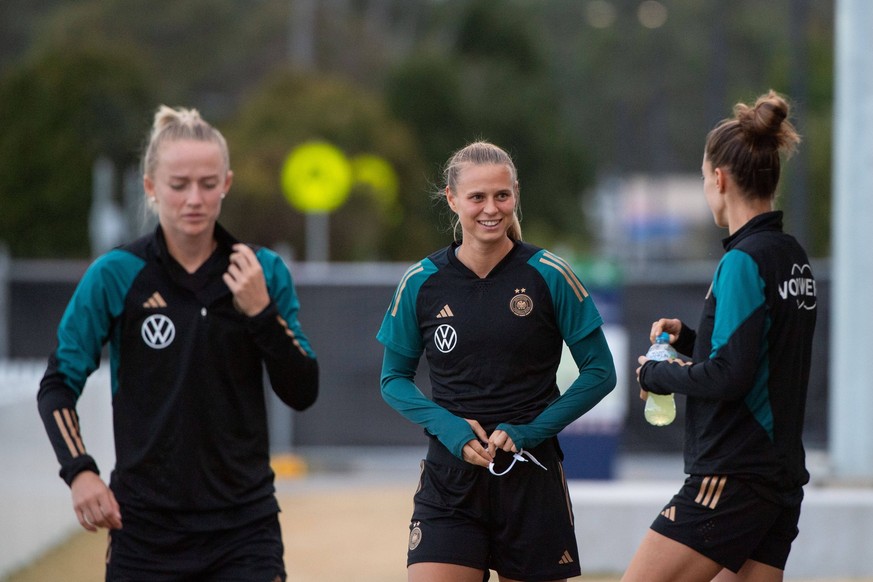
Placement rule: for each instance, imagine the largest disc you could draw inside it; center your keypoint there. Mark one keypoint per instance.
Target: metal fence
(342, 308)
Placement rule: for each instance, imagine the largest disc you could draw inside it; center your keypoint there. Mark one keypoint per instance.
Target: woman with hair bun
(737, 513)
(192, 318)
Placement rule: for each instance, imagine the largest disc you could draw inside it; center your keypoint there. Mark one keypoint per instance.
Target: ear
(450, 198)
(721, 179)
(228, 180)
(148, 186)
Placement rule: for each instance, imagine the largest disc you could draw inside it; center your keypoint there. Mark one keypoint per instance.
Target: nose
(194, 196)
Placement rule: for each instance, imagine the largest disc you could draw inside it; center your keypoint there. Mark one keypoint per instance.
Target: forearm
(596, 379)
(291, 366)
(728, 374)
(400, 392)
(57, 408)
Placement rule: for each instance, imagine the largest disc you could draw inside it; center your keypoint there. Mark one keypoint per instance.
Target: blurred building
(642, 218)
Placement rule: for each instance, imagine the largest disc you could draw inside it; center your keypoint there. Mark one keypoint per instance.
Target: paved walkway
(344, 520)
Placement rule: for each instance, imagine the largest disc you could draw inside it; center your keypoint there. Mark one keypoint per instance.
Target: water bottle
(660, 409)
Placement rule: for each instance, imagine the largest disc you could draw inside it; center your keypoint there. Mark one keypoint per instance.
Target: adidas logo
(445, 312)
(566, 558)
(711, 489)
(155, 301)
(670, 513)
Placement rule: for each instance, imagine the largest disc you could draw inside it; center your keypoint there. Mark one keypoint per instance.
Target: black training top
(493, 344)
(190, 425)
(747, 387)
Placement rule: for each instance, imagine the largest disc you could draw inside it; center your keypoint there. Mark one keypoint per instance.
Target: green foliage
(58, 114)
(494, 84)
(200, 53)
(645, 98)
(18, 20)
(425, 92)
(292, 108)
(500, 31)
(574, 101)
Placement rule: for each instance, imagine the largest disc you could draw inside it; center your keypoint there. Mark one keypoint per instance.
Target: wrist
(79, 466)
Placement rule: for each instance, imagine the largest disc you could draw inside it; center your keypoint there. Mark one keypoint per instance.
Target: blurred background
(603, 104)
(599, 101)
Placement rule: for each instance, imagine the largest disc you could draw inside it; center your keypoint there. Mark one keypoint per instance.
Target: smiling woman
(491, 314)
(192, 317)
(483, 161)
(484, 199)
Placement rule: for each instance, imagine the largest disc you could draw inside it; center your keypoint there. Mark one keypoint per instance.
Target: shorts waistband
(546, 451)
(438, 453)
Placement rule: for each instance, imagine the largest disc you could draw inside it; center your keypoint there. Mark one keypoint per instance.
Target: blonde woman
(191, 316)
(491, 313)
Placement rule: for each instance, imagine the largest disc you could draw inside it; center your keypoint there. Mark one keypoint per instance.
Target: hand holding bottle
(660, 409)
(671, 326)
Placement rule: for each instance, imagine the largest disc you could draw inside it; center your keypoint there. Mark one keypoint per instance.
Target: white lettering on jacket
(801, 287)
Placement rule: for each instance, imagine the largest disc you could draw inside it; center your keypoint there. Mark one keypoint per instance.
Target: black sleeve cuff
(646, 373)
(76, 466)
(684, 344)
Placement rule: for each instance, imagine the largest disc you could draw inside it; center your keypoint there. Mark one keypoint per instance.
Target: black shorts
(519, 524)
(726, 520)
(141, 551)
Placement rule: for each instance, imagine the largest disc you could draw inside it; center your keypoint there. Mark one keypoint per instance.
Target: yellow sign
(378, 175)
(316, 177)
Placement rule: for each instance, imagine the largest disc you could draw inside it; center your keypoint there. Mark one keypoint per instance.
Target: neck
(190, 252)
(482, 258)
(742, 213)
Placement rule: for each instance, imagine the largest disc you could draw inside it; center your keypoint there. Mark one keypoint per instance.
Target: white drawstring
(519, 456)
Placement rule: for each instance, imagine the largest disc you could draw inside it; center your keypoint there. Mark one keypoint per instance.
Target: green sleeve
(280, 286)
(596, 380)
(88, 319)
(401, 393)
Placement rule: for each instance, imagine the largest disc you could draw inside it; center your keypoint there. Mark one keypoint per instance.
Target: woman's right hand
(671, 326)
(94, 502)
(475, 451)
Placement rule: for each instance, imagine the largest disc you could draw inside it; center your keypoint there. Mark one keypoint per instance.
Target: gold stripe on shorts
(710, 490)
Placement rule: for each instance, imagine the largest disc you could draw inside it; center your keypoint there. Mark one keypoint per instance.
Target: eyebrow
(185, 177)
(500, 191)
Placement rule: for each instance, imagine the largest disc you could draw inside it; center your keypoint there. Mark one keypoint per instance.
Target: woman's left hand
(641, 360)
(245, 278)
(500, 439)
(474, 451)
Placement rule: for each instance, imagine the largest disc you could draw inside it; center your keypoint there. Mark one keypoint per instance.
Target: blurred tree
(18, 20)
(292, 108)
(646, 96)
(577, 90)
(198, 52)
(425, 91)
(493, 82)
(58, 114)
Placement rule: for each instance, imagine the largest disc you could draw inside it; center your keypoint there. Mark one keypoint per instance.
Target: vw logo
(158, 331)
(446, 338)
